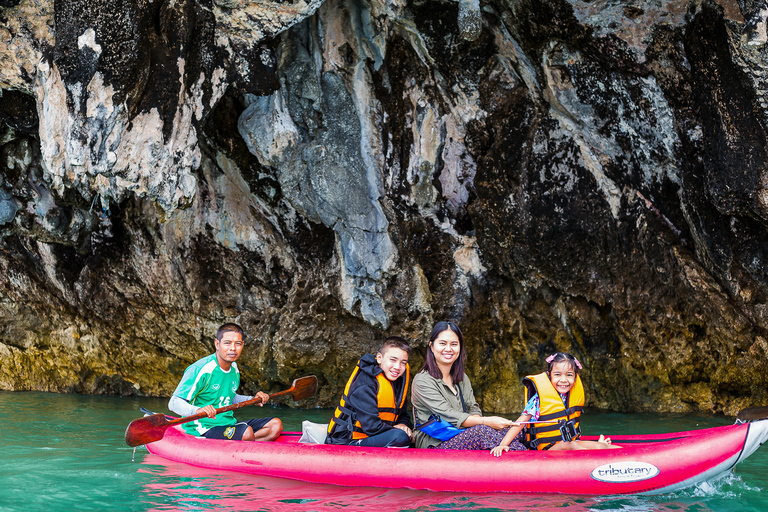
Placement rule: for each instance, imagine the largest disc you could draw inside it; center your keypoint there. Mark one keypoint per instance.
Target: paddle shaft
(152, 428)
(253, 401)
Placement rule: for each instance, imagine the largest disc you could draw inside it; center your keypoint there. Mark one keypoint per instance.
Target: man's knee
(270, 431)
(275, 427)
(248, 434)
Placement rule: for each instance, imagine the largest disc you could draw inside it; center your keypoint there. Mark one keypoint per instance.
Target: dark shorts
(236, 431)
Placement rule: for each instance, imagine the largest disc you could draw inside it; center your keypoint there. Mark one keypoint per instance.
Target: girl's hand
(497, 422)
(496, 452)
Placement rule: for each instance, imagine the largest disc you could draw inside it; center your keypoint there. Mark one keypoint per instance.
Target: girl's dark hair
(430, 364)
(560, 357)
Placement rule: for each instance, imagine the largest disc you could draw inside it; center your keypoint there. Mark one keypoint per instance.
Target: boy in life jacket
(372, 410)
(554, 401)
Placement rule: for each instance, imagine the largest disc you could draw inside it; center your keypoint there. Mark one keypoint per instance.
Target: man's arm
(243, 398)
(181, 406)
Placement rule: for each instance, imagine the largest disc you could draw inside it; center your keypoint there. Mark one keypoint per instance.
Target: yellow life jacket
(389, 405)
(542, 436)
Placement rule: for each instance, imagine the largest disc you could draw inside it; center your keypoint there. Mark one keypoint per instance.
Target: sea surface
(67, 453)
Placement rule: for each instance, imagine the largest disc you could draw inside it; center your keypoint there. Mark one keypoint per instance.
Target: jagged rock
(8, 207)
(553, 174)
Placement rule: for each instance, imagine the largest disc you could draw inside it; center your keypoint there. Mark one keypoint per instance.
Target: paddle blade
(752, 414)
(304, 387)
(146, 430)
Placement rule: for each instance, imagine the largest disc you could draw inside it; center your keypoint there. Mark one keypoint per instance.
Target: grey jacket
(432, 396)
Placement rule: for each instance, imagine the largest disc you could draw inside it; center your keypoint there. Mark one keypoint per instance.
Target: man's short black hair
(230, 327)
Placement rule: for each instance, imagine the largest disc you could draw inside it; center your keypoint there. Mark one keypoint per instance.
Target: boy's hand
(405, 429)
(496, 452)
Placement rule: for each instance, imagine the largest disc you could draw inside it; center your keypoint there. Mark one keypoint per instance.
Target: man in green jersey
(212, 382)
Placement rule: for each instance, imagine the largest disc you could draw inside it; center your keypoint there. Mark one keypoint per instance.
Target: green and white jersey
(205, 383)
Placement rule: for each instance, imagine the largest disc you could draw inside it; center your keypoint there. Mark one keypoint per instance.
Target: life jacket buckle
(568, 430)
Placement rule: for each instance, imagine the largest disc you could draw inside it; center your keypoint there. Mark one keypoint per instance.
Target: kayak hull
(644, 464)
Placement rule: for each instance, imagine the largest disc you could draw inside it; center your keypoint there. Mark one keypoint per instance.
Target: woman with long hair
(441, 394)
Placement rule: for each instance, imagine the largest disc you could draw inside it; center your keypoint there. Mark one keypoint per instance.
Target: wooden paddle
(152, 428)
(752, 413)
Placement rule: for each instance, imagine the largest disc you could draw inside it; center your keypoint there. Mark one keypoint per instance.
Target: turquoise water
(66, 452)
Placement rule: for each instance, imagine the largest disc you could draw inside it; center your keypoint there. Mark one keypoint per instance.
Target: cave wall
(551, 174)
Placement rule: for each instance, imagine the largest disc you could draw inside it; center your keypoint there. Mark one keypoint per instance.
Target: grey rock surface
(552, 174)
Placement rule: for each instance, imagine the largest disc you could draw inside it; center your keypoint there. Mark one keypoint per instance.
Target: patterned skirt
(481, 437)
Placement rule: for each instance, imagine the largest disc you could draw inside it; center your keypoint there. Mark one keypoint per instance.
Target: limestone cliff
(552, 174)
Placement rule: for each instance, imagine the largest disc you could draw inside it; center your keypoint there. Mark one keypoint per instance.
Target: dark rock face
(553, 175)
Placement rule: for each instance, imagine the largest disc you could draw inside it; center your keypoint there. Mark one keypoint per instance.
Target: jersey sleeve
(181, 407)
(192, 382)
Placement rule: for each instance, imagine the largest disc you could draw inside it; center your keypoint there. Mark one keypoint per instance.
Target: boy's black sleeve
(404, 417)
(366, 405)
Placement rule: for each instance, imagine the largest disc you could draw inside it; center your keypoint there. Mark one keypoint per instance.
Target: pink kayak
(648, 464)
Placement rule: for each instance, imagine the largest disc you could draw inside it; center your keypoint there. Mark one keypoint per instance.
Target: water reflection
(173, 486)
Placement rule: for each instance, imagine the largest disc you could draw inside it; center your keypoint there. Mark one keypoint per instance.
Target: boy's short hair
(396, 342)
(230, 327)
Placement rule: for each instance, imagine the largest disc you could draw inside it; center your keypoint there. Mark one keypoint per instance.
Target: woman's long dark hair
(430, 364)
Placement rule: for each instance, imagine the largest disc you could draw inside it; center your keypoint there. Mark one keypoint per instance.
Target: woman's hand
(496, 452)
(497, 422)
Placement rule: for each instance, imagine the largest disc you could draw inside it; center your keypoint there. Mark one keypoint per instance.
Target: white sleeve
(181, 406)
(240, 398)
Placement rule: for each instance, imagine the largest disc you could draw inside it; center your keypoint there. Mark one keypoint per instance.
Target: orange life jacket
(543, 436)
(389, 405)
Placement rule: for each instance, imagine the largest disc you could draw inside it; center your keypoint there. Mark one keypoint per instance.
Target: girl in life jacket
(554, 402)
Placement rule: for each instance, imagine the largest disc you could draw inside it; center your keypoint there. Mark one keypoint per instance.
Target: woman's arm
(495, 422)
(469, 396)
(510, 435)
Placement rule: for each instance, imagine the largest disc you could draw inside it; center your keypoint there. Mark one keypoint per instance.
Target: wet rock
(554, 175)
(18, 111)
(8, 207)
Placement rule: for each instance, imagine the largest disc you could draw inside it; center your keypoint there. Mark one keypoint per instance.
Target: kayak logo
(625, 471)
